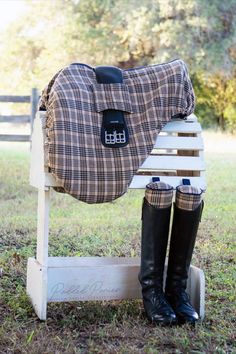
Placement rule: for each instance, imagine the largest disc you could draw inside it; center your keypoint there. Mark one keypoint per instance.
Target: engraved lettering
(62, 291)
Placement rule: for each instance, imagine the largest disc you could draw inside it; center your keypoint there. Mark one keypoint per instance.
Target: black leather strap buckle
(114, 131)
(115, 137)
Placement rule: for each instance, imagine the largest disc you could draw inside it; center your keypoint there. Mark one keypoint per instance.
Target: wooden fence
(33, 101)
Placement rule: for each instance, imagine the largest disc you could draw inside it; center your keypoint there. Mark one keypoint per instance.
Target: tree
(53, 34)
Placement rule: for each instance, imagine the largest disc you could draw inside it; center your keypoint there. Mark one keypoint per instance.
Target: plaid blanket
(149, 97)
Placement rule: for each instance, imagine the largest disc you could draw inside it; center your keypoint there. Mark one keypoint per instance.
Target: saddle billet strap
(114, 131)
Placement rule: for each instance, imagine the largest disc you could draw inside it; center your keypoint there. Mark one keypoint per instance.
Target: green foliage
(53, 34)
(216, 103)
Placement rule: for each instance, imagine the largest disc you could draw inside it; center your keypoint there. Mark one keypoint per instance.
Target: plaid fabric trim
(45, 94)
(112, 96)
(188, 197)
(159, 194)
(82, 165)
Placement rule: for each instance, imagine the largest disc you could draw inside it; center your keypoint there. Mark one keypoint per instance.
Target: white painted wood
(50, 180)
(36, 287)
(43, 226)
(98, 278)
(203, 172)
(177, 142)
(196, 290)
(37, 176)
(112, 281)
(182, 126)
(92, 261)
(192, 117)
(140, 182)
(165, 163)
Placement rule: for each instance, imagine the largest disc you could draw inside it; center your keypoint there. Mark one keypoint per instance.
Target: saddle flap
(112, 96)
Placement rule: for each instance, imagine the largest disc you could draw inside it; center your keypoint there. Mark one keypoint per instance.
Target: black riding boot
(155, 229)
(183, 236)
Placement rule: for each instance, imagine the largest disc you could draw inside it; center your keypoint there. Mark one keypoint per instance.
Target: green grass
(110, 229)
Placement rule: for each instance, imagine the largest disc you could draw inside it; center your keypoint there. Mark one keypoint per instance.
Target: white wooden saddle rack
(178, 154)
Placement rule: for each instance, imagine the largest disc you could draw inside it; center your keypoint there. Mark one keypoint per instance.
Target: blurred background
(38, 38)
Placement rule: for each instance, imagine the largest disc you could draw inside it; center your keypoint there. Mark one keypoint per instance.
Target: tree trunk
(222, 121)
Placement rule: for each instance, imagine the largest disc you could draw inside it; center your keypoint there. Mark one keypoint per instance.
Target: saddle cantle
(102, 123)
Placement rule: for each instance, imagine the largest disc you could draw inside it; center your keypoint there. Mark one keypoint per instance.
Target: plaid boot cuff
(159, 194)
(188, 197)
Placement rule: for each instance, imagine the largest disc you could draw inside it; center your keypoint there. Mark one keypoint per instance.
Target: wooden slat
(183, 143)
(166, 163)
(15, 119)
(140, 182)
(8, 137)
(181, 126)
(108, 281)
(91, 261)
(16, 99)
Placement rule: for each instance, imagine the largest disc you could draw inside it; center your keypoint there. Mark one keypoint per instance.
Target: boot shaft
(155, 231)
(182, 242)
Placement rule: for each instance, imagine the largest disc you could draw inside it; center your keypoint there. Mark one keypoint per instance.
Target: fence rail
(15, 119)
(17, 99)
(33, 101)
(13, 137)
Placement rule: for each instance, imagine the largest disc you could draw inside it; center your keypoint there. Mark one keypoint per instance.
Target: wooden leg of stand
(37, 269)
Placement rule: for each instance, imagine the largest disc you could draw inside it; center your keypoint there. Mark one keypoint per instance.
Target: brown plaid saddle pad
(102, 123)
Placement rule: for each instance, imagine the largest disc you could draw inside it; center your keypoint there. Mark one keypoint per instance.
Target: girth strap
(114, 131)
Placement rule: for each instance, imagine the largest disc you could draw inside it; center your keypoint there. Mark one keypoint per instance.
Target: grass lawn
(114, 230)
